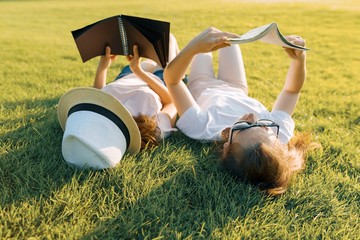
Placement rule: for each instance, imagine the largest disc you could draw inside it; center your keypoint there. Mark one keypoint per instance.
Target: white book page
(255, 33)
(268, 33)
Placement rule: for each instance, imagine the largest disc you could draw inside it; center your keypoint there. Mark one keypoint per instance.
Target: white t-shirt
(139, 98)
(219, 108)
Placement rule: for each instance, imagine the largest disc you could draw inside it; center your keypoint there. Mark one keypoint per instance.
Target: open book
(268, 33)
(121, 32)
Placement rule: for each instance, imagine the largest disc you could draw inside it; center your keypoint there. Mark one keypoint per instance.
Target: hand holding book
(293, 53)
(121, 33)
(268, 33)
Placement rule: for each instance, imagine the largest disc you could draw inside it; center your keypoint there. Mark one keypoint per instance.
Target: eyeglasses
(243, 125)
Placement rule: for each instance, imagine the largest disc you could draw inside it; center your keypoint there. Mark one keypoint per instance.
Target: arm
(210, 39)
(161, 90)
(168, 106)
(295, 78)
(101, 71)
(156, 86)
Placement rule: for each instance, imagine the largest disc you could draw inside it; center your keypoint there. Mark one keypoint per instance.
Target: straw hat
(98, 129)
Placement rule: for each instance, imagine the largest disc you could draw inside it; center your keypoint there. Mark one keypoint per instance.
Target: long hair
(270, 167)
(149, 131)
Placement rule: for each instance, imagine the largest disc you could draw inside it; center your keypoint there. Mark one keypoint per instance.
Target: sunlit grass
(178, 190)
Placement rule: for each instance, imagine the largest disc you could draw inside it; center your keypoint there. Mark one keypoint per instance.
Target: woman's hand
(294, 53)
(135, 61)
(101, 71)
(107, 59)
(210, 40)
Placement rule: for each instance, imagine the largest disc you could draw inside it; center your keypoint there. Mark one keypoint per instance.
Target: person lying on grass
(140, 88)
(257, 147)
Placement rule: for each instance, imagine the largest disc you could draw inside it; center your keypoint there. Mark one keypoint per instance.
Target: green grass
(178, 190)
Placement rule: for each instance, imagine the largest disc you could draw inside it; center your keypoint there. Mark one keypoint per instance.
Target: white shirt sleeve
(194, 123)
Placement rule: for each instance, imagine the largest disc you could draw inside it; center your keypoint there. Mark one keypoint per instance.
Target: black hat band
(106, 113)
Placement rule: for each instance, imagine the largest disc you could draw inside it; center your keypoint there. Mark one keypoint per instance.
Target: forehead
(251, 136)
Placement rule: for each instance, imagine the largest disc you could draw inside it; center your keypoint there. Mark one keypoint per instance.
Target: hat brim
(95, 96)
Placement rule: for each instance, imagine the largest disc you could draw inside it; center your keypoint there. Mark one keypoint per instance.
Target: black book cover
(121, 32)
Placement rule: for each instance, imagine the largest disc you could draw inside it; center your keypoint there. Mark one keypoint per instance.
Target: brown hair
(149, 131)
(270, 167)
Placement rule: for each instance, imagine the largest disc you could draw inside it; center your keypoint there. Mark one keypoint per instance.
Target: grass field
(178, 190)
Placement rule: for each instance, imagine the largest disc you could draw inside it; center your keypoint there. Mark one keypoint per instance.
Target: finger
(136, 51)
(290, 52)
(300, 42)
(218, 41)
(107, 51)
(296, 40)
(232, 35)
(225, 35)
(293, 36)
(218, 32)
(221, 45)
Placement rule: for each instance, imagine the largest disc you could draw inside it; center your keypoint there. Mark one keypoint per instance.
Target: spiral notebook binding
(123, 37)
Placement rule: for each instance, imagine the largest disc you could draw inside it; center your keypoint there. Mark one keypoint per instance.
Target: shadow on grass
(197, 201)
(31, 164)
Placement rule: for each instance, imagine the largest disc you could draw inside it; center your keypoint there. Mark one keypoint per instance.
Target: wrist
(300, 60)
(137, 70)
(301, 57)
(190, 50)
